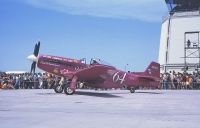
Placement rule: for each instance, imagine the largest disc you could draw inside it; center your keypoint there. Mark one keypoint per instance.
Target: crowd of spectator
(173, 80)
(27, 80)
(170, 80)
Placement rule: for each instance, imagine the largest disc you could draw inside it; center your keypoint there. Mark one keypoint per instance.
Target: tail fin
(153, 70)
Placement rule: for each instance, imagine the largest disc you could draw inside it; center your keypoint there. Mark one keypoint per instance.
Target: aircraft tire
(132, 90)
(68, 91)
(58, 88)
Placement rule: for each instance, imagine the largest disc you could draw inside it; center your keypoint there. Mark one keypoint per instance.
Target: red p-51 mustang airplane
(96, 74)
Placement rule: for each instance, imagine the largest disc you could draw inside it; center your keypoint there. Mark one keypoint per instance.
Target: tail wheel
(58, 88)
(132, 90)
(68, 90)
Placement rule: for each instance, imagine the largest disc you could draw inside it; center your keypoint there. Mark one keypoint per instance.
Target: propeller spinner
(34, 57)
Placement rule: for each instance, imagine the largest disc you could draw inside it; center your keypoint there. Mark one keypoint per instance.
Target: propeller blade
(37, 49)
(33, 66)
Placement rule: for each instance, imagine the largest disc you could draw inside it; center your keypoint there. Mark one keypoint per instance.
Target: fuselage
(113, 78)
(119, 79)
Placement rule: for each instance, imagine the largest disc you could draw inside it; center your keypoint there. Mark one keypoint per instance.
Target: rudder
(153, 70)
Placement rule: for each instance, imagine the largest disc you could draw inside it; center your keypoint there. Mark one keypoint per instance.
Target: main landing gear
(70, 88)
(66, 87)
(59, 88)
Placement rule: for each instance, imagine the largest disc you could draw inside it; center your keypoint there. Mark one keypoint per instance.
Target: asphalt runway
(100, 109)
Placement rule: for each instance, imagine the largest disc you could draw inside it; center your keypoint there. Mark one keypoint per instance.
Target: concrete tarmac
(100, 109)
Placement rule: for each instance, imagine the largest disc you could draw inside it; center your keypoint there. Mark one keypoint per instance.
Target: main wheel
(68, 90)
(132, 90)
(58, 88)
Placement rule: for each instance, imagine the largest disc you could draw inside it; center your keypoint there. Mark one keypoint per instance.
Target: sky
(124, 33)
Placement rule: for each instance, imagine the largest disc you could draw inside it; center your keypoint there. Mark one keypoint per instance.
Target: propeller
(34, 58)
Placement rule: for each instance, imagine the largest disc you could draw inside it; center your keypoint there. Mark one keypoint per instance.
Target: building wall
(163, 42)
(178, 26)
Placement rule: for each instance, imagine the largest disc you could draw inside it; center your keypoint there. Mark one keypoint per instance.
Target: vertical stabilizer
(153, 70)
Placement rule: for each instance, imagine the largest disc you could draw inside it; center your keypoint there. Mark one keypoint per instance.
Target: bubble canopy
(99, 61)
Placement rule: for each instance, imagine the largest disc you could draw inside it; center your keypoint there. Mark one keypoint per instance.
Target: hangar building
(180, 33)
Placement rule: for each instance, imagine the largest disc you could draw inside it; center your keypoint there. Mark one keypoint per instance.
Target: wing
(96, 72)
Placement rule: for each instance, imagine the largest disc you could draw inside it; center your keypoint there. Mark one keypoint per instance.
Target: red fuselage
(95, 74)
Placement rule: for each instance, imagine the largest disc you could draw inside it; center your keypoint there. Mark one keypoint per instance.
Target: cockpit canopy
(98, 61)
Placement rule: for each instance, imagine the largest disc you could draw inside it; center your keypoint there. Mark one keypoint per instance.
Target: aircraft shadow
(47, 93)
(149, 92)
(103, 95)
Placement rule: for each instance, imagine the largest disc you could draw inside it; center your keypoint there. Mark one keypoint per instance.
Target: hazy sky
(118, 31)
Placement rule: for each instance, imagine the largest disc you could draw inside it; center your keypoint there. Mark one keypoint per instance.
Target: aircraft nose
(32, 58)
